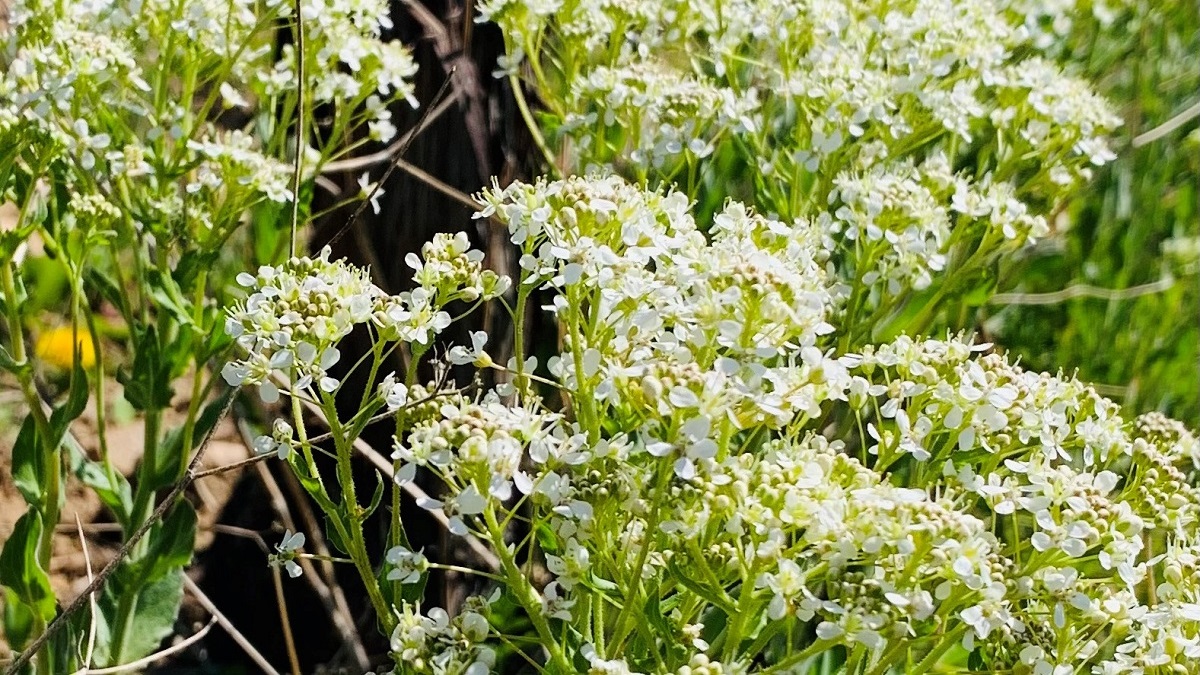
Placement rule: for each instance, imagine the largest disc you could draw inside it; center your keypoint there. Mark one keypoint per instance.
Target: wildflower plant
(721, 488)
(739, 457)
(741, 451)
(137, 141)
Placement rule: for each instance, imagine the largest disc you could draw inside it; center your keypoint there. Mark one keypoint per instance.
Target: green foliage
(1135, 225)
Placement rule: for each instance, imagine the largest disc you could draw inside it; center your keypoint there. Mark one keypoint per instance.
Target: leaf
(115, 493)
(77, 398)
(170, 544)
(27, 467)
(332, 534)
(18, 620)
(147, 380)
(7, 362)
(682, 577)
(172, 457)
(168, 296)
(376, 498)
(152, 621)
(108, 289)
(19, 567)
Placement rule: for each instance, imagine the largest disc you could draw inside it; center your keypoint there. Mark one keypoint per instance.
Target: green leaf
(115, 493)
(170, 543)
(333, 536)
(147, 381)
(107, 288)
(168, 296)
(77, 398)
(154, 618)
(7, 362)
(19, 567)
(172, 457)
(18, 620)
(710, 595)
(376, 498)
(27, 467)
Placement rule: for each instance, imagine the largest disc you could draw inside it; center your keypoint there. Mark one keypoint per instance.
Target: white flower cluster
(915, 497)
(298, 312)
(945, 110)
(437, 644)
(664, 112)
(900, 221)
(347, 60)
(107, 88)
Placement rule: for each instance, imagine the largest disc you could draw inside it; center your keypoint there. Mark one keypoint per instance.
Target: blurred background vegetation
(1134, 230)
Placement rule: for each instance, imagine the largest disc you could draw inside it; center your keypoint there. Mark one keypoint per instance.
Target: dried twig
(300, 121)
(157, 656)
(396, 148)
(284, 617)
(330, 595)
(1189, 114)
(451, 50)
(444, 188)
(233, 632)
(1082, 291)
(422, 122)
(328, 590)
(87, 559)
(285, 620)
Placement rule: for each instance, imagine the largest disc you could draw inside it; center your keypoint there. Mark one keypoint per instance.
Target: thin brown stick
(157, 656)
(61, 620)
(233, 632)
(235, 465)
(288, 641)
(444, 188)
(422, 123)
(331, 595)
(328, 589)
(388, 153)
(300, 122)
(452, 51)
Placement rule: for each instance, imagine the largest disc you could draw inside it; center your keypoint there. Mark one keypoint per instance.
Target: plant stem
(52, 467)
(355, 542)
(144, 498)
(534, 131)
(525, 593)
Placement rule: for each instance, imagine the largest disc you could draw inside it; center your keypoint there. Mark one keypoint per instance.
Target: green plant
(116, 149)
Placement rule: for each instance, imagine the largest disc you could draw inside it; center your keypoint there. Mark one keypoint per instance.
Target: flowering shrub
(739, 457)
(137, 140)
(723, 491)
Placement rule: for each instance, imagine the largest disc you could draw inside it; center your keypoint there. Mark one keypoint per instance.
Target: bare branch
(233, 632)
(157, 656)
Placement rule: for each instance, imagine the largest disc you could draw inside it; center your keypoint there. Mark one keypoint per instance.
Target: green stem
(525, 594)
(926, 665)
(355, 541)
(145, 494)
(519, 336)
(53, 460)
(52, 467)
(534, 130)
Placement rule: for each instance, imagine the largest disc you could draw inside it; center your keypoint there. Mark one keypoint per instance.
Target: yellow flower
(54, 347)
